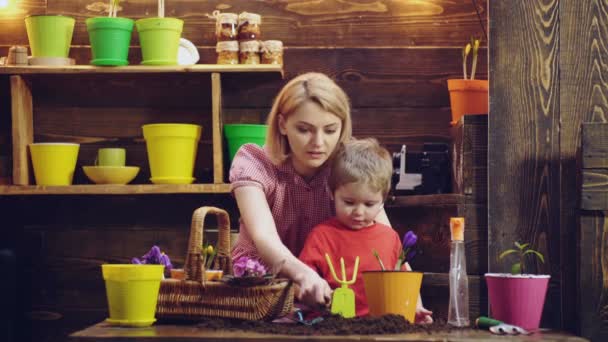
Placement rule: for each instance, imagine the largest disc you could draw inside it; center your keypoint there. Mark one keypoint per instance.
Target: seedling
(522, 250)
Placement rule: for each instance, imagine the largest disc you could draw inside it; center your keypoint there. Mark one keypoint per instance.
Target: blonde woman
(281, 189)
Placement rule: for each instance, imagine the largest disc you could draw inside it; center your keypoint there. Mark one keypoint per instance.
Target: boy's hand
(423, 316)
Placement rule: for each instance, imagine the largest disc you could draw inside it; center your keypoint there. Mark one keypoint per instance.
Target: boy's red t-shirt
(340, 241)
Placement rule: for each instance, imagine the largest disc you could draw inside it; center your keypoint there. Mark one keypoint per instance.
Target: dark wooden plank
(582, 89)
(398, 77)
(170, 333)
(379, 23)
(593, 266)
(594, 194)
(595, 145)
(524, 202)
(469, 156)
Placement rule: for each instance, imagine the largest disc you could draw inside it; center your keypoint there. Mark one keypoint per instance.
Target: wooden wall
(552, 80)
(391, 57)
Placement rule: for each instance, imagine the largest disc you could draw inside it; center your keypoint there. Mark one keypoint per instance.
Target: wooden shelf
(137, 189)
(140, 69)
(424, 200)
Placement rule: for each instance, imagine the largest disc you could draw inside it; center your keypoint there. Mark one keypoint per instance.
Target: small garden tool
(343, 299)
(498, 327)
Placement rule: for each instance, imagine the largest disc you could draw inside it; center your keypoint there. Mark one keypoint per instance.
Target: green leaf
(517, 245)
(540, 256)
(516, 268)
(505, 253)
(525, 245)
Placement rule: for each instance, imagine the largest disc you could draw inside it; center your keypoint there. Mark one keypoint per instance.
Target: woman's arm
(260, 226)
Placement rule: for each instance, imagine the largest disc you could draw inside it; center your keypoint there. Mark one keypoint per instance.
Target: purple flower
(409, 239)
(245, 266)
(407, 251)
(155, 257)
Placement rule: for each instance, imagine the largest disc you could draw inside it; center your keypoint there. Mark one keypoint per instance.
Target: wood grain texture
(23, 129)
(170, 333)
(524, 161)
(583, 82)
(216, 128)
(593, 267)
(308, 23)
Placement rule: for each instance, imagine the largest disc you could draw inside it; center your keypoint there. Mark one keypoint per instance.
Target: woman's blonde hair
(362, 161)
(314, 87)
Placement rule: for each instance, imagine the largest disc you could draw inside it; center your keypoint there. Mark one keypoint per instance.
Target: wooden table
(184, 333)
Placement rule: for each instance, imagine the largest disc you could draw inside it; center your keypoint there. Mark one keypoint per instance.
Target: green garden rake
(343, 299)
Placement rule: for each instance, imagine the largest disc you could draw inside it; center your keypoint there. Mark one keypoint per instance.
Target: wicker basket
(195, 298)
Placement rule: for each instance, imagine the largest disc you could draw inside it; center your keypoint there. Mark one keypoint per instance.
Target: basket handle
(194, 266)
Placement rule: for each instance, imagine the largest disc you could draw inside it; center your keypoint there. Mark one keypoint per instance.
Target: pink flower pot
(517, 299)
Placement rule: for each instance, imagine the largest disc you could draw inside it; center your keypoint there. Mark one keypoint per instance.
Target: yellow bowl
(111, 174)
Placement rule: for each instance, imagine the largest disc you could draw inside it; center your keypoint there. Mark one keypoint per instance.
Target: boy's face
(357, 205)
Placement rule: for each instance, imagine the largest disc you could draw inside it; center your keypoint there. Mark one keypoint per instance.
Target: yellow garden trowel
(343, 299)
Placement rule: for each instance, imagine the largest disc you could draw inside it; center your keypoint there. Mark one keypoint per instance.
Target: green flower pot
(240, 134)
(49, 35)
(159, 39)
(110, 39)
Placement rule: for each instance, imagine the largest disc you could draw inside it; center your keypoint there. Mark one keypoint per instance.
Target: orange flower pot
(468, 97)
(392, 292)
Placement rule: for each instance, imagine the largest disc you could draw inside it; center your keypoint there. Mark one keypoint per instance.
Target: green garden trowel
(343, 299)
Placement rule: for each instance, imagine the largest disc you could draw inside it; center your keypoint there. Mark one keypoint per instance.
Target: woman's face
(313, 134)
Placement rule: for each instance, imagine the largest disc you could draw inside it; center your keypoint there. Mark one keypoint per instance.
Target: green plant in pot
(159, 38)
(110, 37)
(468, 96)
(518, 298)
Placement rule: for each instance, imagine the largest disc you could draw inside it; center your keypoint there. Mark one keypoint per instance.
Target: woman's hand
(313, 290)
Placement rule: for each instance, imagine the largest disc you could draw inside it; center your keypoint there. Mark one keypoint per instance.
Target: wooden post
(23, 128)
(593, 257)
(216, 126)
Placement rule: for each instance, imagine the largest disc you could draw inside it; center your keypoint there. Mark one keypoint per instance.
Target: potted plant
(159, 38)
(110, 37)
(518, 298)
(396, 290)
(468, 96)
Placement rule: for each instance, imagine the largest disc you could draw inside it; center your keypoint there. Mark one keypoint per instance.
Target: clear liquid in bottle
(458, 311)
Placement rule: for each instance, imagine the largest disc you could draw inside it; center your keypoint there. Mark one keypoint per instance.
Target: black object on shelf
(422, 172)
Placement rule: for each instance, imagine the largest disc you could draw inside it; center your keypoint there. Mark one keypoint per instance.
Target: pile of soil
(331, 325)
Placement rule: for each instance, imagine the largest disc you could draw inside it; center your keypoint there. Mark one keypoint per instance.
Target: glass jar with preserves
(272, 52)
(249, 52)
(227, 52)
(226, 26)
(249, 26)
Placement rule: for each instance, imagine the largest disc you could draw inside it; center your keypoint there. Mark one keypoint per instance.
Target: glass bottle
(458, 311)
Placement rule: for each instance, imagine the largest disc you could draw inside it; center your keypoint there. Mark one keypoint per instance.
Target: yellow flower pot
(392, 292)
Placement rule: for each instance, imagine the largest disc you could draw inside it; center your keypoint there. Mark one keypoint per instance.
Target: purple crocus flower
(409, 239)
(155, 257)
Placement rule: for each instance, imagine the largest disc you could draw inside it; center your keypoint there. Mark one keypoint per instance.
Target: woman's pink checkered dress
(296, 205)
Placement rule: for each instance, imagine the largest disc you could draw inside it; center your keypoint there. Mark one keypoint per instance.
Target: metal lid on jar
(250, 46)
(230, 45)
(227, 18)
(272, 45)
(250, 18)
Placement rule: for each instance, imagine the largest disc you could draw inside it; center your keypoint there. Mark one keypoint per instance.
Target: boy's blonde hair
(314, 87)
(363, 161)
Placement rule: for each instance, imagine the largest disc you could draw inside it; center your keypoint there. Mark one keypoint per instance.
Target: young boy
(360, 181)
